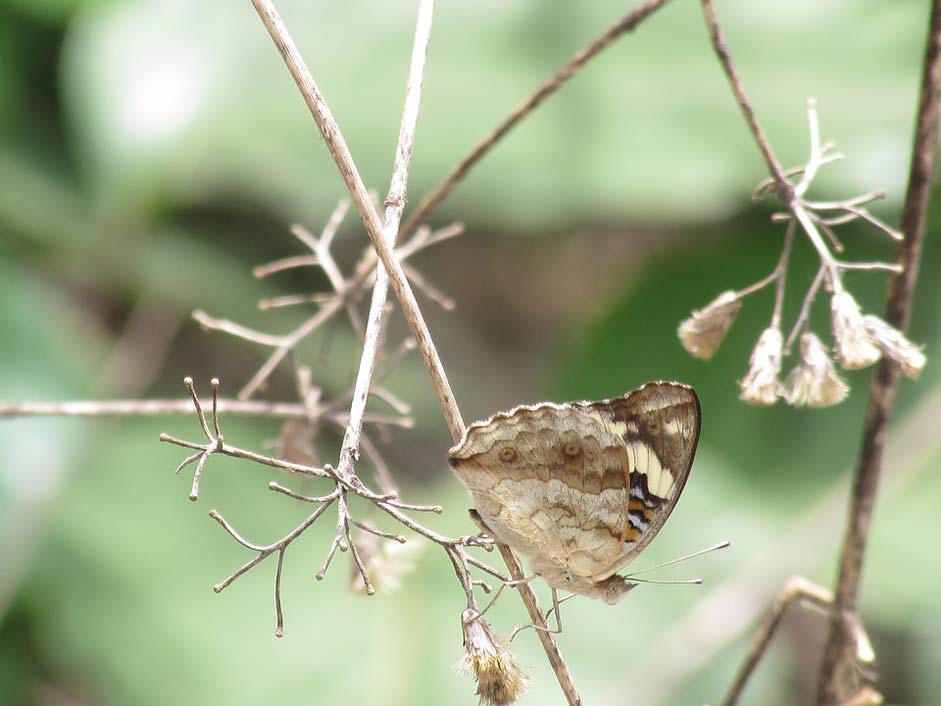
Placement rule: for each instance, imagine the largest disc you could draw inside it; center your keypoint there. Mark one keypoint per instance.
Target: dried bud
(387, 561)
(855, 347)
(894, 345)
(499, 680)
(815, 382)
(760, 385)
(702, 332)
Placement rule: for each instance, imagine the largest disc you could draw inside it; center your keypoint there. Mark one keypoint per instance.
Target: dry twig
(833, 687)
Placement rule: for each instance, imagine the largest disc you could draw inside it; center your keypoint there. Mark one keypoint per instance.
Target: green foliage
(155, 149)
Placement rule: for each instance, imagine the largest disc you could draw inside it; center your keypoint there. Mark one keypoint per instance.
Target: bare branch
(374, 229)
(838, 651)
(395, 205)
(782, 186)
(287, 263)
(626, 24)
(797, 588)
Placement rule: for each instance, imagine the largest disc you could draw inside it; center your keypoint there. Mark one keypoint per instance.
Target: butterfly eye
(507, 454)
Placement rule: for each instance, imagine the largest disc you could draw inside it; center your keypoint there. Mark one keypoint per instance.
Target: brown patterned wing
(550, 481)
(581, 488)
(659, 424)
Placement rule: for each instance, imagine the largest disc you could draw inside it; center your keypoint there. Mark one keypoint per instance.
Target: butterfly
(581, 488)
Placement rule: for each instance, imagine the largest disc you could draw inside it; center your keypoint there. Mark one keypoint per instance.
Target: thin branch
(443, 190)
(290, 300)
(279, 630)
(265, 551)
(782, 186)
(539, 622)
(245, 454)
(374, 229)
(147, 408)
(321, 249)
(287, 344)
(395, 205)
(780, 272)
(797, 588)
(287, 263)
(428, 289)
(234, 329)
(838, 653)
(804, 314)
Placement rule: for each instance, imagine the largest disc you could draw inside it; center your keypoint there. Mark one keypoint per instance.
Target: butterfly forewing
(659, 424)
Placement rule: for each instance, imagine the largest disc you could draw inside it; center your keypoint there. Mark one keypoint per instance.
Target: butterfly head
(614, 588)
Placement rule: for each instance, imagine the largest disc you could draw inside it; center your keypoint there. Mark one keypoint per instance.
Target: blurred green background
(153, 151)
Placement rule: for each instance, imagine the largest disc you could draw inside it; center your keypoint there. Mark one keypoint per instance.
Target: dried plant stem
(789, 194)
(800, 589)
(781, 185)
(145, 408)
(797, 588)
(395, 205)
(804, 314)
(838, 653)
(444, 189)
(539, 622)
(344, 160)
(398, 280)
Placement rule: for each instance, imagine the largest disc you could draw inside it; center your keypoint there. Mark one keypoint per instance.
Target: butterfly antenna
(690, 582)
(720, 545)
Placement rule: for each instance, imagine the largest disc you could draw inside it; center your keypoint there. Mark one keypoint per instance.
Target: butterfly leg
(503, 585)
(556, 602)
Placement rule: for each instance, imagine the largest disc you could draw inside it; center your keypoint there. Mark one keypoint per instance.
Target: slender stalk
(782, 186)
(838, 654)
(796, 588)
(395, 205)
(397, 278)
(340, 152)
(113, 408)
(582, 57)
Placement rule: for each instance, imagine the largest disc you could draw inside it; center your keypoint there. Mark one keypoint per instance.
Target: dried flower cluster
(702, 332)
(500, 681)
(859, 339)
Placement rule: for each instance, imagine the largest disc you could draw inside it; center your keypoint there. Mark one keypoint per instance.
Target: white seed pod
(855, 347)
(704, 330)
(760, 385)
(815, 381)
(896, 346)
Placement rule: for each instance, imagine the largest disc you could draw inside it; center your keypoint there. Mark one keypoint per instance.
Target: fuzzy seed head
(814, 382)
(855, 347)
(499, 679)
(704, 330)
(895, 346)
(760, 385)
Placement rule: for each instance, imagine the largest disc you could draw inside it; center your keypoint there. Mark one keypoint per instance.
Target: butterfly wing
(659, 424)
(582, 488)
(550, 481)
